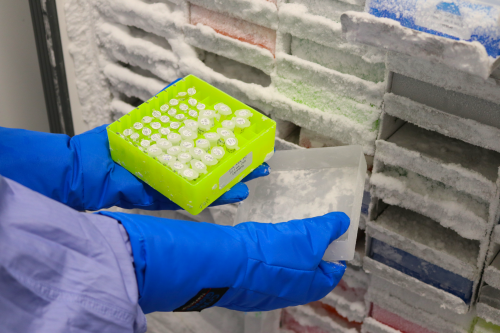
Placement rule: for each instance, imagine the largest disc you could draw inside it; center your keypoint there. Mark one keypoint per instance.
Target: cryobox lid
(310, 182)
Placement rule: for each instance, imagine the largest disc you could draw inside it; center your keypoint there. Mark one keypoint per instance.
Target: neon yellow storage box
(256, 144)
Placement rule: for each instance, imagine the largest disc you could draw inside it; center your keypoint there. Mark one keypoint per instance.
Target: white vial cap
(225, 133)
(208, 159)
(128, 131)
(191, 91)
(182, 93)
(231, 143)
(174, 138)
(166, 158)
(145, 143)
(244, 113)
(187, 134)
(186, 145)
(164, 108)
(198, 166)
(164, 131)
(204, 123)
(228, 124)
(155, 137)
(223, 109)
(184, 157)
(197, 152)
(177, 166)
(200, 106)
(164, 144)
(154, 151)
(134, 136)
(212, 137)
(146, 131)
(172, 112)
(192, 102)
(193, 113)
(138, 125)
(183, 107)
(175, 125)
(241, 122)
(180, 117)
(174, 151)
(191, 124)
(147, 119)
(190, 174)
(218, 152)
(156, 114)
(202, 143)
(164, 119)
(155, 125)
(173, 102)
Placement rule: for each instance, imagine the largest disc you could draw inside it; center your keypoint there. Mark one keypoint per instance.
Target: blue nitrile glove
(80, 173)
(189, 266)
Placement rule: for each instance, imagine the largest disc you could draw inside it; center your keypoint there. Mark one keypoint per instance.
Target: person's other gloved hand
(80, 173)
(189, 266)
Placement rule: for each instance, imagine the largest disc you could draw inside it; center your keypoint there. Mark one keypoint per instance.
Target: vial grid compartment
(131, 146)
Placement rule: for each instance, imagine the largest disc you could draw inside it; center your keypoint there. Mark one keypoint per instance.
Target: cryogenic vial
(174, 138)
(210, 114)
(212, 138)
(164, 119)
(200, 106)
(223, 109)
(231, 144)
(145, 143)
(128, 132)
(155, 137)
(134, 136)
(173, 102)
(147, 119)
(204, 124)
(180, 117)
(187, 134)
(228, 124)
(172, 112)
(183, 107)
(138, 125)
(191, 91)
(224, 135)
(156, 114)
(191, 125)
(186, 145)
(174, 151)
(177, 166)
(197, 152)
(146, 131)
(166, 158)
(154, 151)
(164, 144)
(155, 125)
(192, 102)
(184, 157)
(193, 114)
(218, 152)
(164, 108)
(241, 123)
(244, 113)
(198, 166)
(164, 131)
(190, 174)
(175, 125)
(203, 144)
(208, 159)
(182, 94)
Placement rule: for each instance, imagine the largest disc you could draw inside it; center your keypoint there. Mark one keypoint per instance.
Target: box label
(232, 173)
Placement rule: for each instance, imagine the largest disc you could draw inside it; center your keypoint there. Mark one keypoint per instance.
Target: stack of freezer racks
(425, 109)
(191, 142)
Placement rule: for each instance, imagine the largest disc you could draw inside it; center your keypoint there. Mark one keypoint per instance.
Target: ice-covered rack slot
(386, 34)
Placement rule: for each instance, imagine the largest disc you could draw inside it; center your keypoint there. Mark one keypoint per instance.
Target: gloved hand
(80, 173)
(189, 266)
